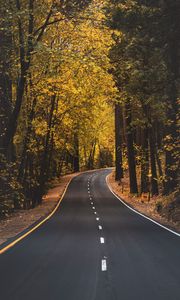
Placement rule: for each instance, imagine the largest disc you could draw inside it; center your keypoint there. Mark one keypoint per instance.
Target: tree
(145, 60)
(118, 142)
(62, 105)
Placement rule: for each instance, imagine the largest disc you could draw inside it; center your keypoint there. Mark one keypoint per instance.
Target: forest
(84, 85)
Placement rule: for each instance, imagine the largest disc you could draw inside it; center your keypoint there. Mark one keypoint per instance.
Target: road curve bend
(93, 248)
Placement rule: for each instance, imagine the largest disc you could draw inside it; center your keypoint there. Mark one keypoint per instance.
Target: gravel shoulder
(22, 219)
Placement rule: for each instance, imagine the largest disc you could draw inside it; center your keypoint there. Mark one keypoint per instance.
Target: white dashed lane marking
(103, 265)
(101, 240)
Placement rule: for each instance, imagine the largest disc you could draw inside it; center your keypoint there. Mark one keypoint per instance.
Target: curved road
(93, 248)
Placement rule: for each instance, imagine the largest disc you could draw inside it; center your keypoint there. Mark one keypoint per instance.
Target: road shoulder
(147, 208)
(22, 220)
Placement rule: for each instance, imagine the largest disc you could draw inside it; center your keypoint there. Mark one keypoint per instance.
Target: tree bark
(5, 74)
(26, 142)
(12, 124)
(144, 161)
(160, 169)
(130, 149)
(44, 161)
(118, 143)
(91, 155)
(171, 13)
(154, 182)
(76, 166)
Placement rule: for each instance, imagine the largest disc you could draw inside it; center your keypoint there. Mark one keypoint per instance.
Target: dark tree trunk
(25, 58)
(171, 13)
(5, 74)
(76, 166)
(26, 141)
(44, 161)
(93, 154)
(160, 169)
(154, 182)
(144, 161)
(90, 164)
(12, 125)
(61, 162)
(50, 166)
(130, 150)
(118, 143)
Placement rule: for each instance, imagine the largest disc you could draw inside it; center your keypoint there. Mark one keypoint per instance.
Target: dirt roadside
(142, 205)
(21, 220)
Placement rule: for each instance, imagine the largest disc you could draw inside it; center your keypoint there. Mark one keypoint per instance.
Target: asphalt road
(93, 248)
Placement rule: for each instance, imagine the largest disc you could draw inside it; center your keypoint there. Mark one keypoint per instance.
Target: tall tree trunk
(76, 166)
(26, 141)
(154, 182)
(5, 73)
(90, 164)
(12, 125)
(61, 162)
(130, 149)
(118, 143)
(85, 155)
(144, 161)
(44, 161)
(25, 58)
(171, 13)
(93, 153)
(160, 169)
(50, 164)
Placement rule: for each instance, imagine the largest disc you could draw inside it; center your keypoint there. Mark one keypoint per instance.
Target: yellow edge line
(38, 225)
(44, 220)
